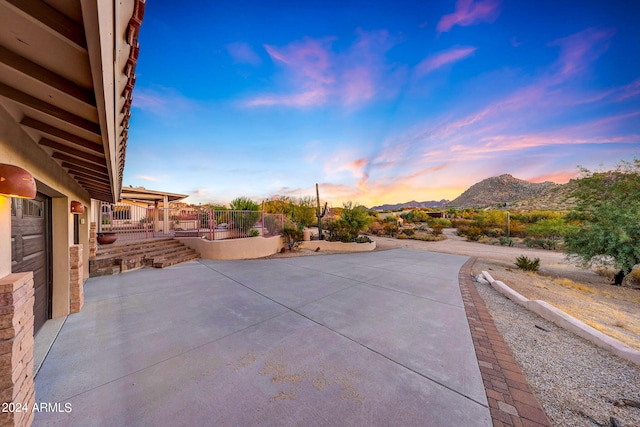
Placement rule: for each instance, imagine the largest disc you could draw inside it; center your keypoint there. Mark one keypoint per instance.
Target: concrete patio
(377, 338)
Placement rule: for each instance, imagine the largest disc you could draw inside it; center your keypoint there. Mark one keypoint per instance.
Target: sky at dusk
(380, 102)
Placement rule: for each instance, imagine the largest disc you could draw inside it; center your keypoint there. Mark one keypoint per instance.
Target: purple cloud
(440, 59)
(316, 74)
(468, 13)
(579, 50)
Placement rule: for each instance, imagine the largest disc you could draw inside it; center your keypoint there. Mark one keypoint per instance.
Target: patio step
(158, 253)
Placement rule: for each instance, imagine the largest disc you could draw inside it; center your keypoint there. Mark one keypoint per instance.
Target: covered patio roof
(142, 194)
(67, 71)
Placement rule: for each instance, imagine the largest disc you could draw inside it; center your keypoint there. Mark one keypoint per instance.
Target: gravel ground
(576, 382)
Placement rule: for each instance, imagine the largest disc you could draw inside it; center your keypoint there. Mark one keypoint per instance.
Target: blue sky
(380, 102)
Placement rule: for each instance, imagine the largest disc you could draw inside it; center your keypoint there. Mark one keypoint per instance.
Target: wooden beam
(48, 109)
(59, 133)
(71, 169)
(100, 178)
(74, 161)
(94, 186)
(51, 18)
(72, 151)
(36, 72)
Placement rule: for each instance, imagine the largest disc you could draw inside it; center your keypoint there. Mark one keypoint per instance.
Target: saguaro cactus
(320, 213)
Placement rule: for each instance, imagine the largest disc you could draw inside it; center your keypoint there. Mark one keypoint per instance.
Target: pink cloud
(310, 98)
(309, 60)
(443, 58)
(468, 13)
(579, 50)
(630, 90)
(243, 53)
(315, 74)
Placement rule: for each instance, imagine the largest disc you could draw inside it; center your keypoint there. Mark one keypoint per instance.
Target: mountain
(502, 189)
(411, 204)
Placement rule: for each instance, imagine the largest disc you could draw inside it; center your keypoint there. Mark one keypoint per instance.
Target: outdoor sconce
(77, 207)
(16, 182)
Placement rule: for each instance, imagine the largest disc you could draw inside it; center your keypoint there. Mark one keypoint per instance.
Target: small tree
(353, 220)
(552, 230)
(608, 206)
(245, 220)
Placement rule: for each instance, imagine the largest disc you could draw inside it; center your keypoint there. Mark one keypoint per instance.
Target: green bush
(340, 231)
(525, 263)
(292, 236)
(474, 233)
(505, 241)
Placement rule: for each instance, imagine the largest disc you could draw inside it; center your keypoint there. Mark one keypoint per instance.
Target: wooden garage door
(31, 249)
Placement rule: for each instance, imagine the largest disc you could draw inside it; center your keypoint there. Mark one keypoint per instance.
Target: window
(122, 212)
(32, 208)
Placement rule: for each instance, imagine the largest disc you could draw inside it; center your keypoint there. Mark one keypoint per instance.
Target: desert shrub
(444, 222)
(473, 233)
(363, 239)
(401, 236)
(436, 229)
(339, 231)
(376, 228)
(516, 228)
(457, 223)
(505, 241)
(415, 215)
(390, 229)
(523, 262)
(292, 236)
(254, 233)
(408, 231)
(493, 232)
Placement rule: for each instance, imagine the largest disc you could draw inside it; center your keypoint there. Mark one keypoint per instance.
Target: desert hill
(504, 189)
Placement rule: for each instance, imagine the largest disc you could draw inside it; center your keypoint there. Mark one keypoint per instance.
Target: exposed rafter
(59, 133)
(46, 142)
(41, 74)
(48, 109)
(49, 17)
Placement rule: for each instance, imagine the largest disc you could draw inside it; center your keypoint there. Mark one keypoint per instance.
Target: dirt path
(579, 292)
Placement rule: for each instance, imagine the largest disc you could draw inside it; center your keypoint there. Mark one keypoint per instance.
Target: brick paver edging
(511, 400)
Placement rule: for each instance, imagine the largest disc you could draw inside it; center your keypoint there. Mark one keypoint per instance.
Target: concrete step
(174, 259)
(157, 253)
(106, 251)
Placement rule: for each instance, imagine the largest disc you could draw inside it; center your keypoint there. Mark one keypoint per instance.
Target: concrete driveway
(378, 338)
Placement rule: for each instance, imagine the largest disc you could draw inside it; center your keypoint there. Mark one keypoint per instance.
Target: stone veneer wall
(16, 349)
(76, 279)
(93, 240)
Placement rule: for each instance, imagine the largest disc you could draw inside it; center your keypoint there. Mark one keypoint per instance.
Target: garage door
(31, 249)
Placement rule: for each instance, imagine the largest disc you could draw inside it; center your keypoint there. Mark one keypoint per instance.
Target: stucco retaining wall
(246, 248)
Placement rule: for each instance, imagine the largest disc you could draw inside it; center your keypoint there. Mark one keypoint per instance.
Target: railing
(136, 222)
(230, 224)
